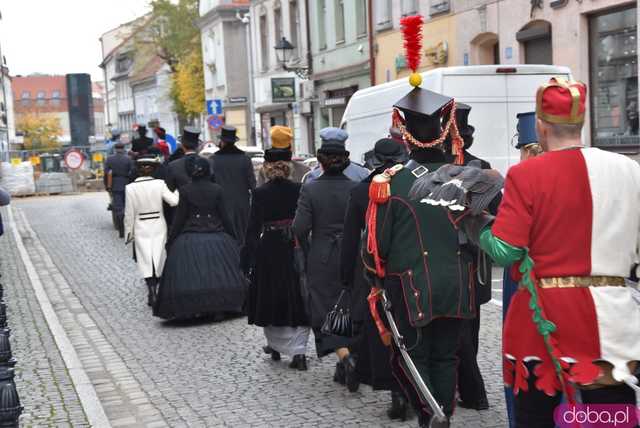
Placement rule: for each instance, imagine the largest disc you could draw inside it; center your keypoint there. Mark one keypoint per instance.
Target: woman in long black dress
(275, 300)
(202, 274)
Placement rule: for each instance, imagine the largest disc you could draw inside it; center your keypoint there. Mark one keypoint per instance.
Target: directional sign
(215, 122)
(214, 107)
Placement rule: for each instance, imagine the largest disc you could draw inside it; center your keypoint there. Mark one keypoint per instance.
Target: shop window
(614, 78)
(485, 49)
(535, 38)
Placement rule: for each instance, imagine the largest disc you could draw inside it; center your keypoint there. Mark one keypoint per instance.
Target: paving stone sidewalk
(42, 380)
(205, 373)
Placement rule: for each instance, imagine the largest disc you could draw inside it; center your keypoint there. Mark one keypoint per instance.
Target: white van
(496, 94)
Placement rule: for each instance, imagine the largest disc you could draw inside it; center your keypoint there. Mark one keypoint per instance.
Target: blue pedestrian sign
(214, 107)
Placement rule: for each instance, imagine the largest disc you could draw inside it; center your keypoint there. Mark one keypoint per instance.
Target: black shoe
(299, 362)
(339, 374)
(351, 378)
(480, 405)
(399, 405)
(275, 355)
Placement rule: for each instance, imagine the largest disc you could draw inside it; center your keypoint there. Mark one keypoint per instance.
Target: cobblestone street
(150, 373)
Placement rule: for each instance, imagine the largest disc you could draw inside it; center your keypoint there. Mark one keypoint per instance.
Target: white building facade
(281, 97)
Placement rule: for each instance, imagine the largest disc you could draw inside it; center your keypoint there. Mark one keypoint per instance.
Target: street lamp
(284, 48)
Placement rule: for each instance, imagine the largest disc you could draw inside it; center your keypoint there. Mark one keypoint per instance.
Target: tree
(41, 132)
(170, 33)
(188, 85)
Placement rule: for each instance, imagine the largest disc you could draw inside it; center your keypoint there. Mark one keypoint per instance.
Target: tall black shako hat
(421, 126)
(190, 136)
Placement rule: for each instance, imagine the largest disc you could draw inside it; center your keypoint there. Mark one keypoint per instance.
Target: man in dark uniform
(415, 250)
(372, 357)
(176, 174)
(142, 144)
(118, 171)
(471, 388)
(233, 171)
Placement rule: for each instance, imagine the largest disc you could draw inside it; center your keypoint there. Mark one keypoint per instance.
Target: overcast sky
(60, 36)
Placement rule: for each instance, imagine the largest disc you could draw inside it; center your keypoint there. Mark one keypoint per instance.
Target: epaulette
(380, 189)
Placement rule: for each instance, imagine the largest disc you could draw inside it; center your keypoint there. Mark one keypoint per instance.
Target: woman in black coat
(202, 274)
(275, 301)
(318, 225)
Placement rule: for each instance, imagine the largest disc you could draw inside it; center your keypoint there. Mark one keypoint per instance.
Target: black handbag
(338, 320)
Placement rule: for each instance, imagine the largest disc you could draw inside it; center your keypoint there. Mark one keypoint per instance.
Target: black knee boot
(151, 285)
(399, 405)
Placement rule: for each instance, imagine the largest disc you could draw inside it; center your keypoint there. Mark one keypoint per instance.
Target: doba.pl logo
(596, 416)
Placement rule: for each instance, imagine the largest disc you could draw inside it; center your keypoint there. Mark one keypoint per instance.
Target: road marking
(84, 388)
(496, 302)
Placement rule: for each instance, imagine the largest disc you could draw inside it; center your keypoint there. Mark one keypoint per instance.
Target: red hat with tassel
(420, 122)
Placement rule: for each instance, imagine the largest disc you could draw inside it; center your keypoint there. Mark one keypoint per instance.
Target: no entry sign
(74, 159)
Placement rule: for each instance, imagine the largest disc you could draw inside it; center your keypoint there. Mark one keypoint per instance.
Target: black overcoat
(233, 171)
(275, 297)
(320, 213)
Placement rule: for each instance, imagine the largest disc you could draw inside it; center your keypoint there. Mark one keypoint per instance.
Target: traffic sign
(214, 107)
(215, 122)
(73, 159)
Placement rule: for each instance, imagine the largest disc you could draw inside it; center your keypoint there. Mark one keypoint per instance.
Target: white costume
(144, 222)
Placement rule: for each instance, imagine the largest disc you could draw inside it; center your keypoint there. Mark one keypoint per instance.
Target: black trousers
(534, 408)
(470, 383)
(433, 351)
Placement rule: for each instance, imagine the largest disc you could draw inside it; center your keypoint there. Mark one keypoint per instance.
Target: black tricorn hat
(228, 134)
(422, 110)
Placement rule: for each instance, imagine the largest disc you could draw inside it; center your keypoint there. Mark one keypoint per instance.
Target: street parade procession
(387, 265)
(320, 213)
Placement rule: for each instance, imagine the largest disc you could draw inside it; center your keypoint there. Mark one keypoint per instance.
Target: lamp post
(284, 48)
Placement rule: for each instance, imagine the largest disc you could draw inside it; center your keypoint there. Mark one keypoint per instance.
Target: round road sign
(74, 159)
(215, 122)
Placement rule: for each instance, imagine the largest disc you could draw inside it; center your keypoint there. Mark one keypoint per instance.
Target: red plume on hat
(412, 35)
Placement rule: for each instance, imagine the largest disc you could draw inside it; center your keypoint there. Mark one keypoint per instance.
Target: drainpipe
(312, 131)
(372, 57)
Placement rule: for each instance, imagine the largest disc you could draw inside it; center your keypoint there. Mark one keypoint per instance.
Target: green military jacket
(419, 246)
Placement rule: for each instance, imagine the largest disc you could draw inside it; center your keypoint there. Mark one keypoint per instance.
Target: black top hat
(422, 112)
(190, 134)
(462, 119)
(142, 130)
(228, 134)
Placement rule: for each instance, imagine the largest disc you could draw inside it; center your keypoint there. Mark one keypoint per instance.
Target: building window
(339, 20)
(41, 98)
(294, 26)
(536, 41)
(383, 14)
(277, 21)
(322, 28)
(25, 98)
(614, 78)
(361, 17)
(55, 98)
(409, 7)
(264, 43)
(123, 64)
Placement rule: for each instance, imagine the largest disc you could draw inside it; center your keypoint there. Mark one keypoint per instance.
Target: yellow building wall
(390, 46)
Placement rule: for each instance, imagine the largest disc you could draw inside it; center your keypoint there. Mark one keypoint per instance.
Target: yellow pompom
(415, 79)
